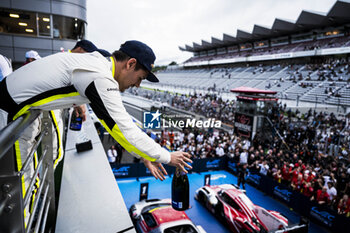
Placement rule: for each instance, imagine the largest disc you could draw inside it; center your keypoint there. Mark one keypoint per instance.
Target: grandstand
(306, 60)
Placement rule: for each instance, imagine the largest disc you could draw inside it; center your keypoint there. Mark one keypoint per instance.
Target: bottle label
(76, 124)
(177, 204)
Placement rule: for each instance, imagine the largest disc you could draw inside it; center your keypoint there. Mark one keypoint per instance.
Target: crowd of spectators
(313, 157)
(209, 105)
(331, 70)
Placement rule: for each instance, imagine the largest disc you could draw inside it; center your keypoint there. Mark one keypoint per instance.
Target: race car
(231, 205)
(157, 216)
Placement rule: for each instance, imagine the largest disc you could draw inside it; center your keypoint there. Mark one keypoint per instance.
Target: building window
(42, 25)
(68, 28)
(18, 22)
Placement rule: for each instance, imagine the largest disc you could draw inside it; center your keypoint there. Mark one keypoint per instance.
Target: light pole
(298, 100)
(316, 103)
(338, 104)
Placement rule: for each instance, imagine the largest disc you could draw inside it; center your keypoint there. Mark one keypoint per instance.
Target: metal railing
(32, 208)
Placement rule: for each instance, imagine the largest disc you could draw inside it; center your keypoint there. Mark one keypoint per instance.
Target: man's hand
(80, 111)
(180, 159)
(156, 169)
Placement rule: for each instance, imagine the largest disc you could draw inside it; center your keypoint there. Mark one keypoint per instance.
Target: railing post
(12, 200)
(48, 163)
(11, 197)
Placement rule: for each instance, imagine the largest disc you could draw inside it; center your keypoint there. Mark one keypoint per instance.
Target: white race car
(157, 216)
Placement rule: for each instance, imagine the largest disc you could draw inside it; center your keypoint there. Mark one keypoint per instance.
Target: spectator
(277, 176)
(112, 155)
(332, 192)
(5, 67)
(242, 174)
(298, 183)
(220, 151)
(322, 197)
(344, 206)
(31, 56)
(308, 189)
(286, 173)
(171, 137)
(120, 150)
(243, 157)
(264, 167)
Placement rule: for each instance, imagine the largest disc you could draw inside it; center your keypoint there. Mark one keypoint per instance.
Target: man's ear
(131, 64)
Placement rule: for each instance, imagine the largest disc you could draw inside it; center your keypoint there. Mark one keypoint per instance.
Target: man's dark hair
(121, 56)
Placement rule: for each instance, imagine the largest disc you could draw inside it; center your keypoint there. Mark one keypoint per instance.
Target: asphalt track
(130, 189)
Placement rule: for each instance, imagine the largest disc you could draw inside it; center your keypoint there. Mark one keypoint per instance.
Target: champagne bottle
(75, 122)
(180, 191)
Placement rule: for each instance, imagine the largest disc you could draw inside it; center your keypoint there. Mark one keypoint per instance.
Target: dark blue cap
(87, 45)
(104, 53)
(143, 54)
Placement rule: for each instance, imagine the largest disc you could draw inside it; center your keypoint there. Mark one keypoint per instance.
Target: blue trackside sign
(213, 164)
(122, 171)
(254, 178)
(282, 193)
(322, 216)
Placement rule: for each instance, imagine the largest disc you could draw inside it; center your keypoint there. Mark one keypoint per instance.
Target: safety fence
(27, 197)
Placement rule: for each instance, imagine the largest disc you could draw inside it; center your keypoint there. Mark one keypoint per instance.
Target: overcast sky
(164, 25)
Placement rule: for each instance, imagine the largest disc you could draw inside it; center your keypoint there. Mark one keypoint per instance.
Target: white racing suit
(65, 80)
(57, 134)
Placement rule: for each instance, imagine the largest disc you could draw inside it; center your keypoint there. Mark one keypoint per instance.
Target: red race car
(232, 205)
(157, 216)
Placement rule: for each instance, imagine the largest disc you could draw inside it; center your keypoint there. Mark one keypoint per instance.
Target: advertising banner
(125, 170)
(232, 167)
(243, 125)
(139, 169)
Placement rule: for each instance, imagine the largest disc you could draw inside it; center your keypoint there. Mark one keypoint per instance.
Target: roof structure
(243, 36)
(260, 31)
(216, 41)
(228, 40)
(307, 20)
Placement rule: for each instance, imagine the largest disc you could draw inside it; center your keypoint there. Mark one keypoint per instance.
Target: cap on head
(104, 53)
(143, 54)
(87, 45)
(32, 54)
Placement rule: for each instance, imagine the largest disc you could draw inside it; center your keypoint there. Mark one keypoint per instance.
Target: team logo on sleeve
(151, 120)
(112, 89)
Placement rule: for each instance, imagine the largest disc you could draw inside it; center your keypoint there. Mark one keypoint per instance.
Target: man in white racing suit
(69, 79)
